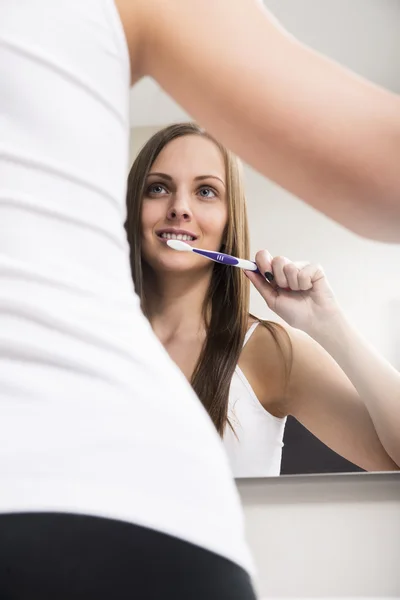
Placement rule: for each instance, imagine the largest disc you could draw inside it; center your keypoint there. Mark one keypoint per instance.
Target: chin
(180, 265)
(160, 264)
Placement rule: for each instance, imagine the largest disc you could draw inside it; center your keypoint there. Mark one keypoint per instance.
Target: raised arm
(357, 423)
(340, 388)
(318, 130)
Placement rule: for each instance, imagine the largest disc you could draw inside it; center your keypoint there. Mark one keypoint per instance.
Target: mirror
(364, 275)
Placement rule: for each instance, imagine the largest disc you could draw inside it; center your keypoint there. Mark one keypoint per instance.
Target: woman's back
(93, 416)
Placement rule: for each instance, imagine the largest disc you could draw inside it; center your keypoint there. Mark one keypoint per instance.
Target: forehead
(190, 156)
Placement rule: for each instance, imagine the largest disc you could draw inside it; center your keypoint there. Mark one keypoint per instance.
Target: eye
(207, 192)
(156, 189)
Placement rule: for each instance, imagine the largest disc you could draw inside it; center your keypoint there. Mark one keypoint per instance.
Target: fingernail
(269, 276)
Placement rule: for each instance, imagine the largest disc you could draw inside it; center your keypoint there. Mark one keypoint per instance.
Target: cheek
(149, 218)
(212, 220)
(219, 223)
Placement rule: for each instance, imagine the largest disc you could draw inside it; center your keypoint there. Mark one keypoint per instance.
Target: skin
(315, 128)
(339, 388)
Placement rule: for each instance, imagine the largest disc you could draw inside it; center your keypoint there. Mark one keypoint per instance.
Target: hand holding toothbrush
(298, 292)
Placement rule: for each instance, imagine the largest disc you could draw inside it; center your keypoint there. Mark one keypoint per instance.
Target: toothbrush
(224, 259)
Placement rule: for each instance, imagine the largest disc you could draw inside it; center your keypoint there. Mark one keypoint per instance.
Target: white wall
(364, 274)
(325, 536)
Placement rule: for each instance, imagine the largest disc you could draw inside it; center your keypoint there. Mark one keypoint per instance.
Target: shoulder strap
(250, 332)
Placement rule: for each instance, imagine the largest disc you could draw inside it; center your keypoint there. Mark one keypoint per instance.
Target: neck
(174, 303)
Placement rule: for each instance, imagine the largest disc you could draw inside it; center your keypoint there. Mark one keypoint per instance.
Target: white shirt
(255, 446)
(94, 417)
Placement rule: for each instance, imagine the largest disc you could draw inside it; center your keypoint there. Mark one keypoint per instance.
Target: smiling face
(184, 199)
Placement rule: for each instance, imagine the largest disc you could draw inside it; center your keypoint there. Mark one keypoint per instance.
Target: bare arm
(374, 378)
(313, 127)
(360, 423)
(339, 387)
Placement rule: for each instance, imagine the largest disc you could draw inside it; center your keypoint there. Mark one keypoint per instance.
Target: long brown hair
(226, 305)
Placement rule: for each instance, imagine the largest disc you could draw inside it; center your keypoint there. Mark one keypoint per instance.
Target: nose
(179, 211)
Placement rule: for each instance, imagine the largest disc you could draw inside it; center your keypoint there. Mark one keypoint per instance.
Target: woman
(93, 504)
(85, 432)
(183, 183)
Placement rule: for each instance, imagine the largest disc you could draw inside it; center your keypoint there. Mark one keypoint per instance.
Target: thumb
(266, 290)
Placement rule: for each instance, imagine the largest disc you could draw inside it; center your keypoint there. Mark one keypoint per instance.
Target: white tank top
(255, 447)
(94, 416)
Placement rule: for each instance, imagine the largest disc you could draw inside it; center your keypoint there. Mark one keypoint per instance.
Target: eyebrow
(198, 178)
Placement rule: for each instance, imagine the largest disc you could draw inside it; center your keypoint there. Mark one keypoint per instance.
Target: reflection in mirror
(303, 379)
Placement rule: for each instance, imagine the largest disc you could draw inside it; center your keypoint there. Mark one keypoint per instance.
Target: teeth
(179, 236)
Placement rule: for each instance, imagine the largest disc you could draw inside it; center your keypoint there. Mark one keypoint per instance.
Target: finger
(301, 264)
(266, 290)
(264, 260)
(291, 272)
(278, 264)
(305, 282)
(309, 275)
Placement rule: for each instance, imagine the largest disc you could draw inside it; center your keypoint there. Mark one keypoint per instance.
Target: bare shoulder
(314, 374)
(308, 358)
(281, 363)
(266, 363)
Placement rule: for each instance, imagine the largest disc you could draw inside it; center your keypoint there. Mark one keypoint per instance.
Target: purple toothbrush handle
(227, 259)
(224, 259)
